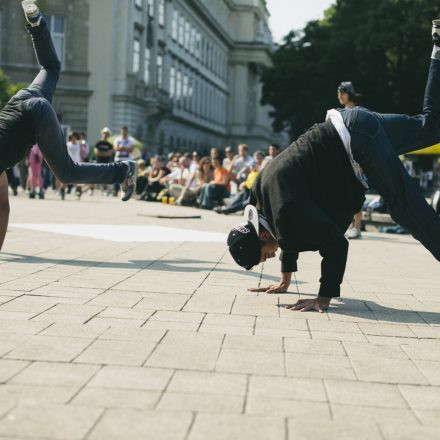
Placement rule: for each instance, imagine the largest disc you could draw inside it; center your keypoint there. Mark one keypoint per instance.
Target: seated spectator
(142, 176)
(228, 161)
(243, 164)
(241, 200)
(274, 151)
(178, 177)
(217, 189)
(197, 180)
(154, 187)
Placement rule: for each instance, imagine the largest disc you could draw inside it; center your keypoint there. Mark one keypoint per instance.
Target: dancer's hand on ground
(281, 287)
(319, 304)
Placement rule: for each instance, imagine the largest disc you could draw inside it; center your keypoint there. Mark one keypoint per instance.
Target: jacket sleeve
(303, 226)
(289, 261)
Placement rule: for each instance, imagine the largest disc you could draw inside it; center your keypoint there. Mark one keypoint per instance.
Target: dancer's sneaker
(31, 11)
(436, 32)
(129, 184)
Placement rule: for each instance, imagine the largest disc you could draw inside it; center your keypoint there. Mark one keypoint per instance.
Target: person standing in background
(74, 150)
(35, 172)
(124, 147)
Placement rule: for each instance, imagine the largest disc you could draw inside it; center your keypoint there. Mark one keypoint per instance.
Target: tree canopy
(383, 46)
(7, 89)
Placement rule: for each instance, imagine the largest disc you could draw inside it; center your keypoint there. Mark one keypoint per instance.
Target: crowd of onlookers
(181, 178)
(191, 180)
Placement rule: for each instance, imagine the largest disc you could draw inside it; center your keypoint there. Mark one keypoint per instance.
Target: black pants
(377, 140)
(37, 98)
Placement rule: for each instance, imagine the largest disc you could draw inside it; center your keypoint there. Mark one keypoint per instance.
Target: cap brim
(251, 215)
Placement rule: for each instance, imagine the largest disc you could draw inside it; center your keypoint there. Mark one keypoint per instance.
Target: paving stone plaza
(112, 338)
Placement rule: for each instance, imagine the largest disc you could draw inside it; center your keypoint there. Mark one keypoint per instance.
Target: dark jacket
(17, 133)
(309, 194)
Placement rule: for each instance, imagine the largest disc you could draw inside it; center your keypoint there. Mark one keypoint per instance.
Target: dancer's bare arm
(4, 207)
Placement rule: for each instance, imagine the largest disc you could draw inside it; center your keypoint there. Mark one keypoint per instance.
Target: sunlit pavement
(143, 329)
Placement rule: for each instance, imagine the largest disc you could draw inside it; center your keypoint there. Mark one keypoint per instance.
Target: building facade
(181, 74)
(68, 21)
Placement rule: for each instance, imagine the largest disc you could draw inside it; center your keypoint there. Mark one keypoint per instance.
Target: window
(147, 62)
(150, 8)
(181, 29)
(57, 26)
(138, 4)
(136, 54)
(160, 71)
(175, 25)
(161, 12)
(172, 82)
(198, 45)
(185, 91)
(179, 85)
(192, 43)
(187, 35)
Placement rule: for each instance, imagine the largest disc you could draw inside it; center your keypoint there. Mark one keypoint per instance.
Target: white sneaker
(353, 234)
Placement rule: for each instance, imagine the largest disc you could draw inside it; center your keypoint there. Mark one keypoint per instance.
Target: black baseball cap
(244, 240)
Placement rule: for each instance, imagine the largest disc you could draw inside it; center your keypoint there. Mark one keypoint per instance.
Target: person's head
(348, 96)
(83, 136)
(216, 162)
(205, 165)
(243, 150)
(105, 133)
(141, 164)
(74, 137)
(274, 150)
(195, 156)
(124, 132)
(214, 152)
(229, 152)
(183, 162)
(158, 163)
(250, 243)
(258, 157)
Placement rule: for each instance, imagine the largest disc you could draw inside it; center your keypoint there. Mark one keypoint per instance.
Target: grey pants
(377, 140)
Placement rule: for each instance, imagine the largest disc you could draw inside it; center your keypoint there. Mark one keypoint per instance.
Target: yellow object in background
(435, 149)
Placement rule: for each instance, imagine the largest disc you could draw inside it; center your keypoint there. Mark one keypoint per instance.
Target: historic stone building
(68, 21)
(181, 74)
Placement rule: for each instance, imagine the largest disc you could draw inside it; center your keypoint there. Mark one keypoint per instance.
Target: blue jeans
(210, 194)
(37, 99)
(377, 140)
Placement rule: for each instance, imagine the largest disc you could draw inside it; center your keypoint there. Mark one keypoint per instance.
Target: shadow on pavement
(179, 265)
(377, 312)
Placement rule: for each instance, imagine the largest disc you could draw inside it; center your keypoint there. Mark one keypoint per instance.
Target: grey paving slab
(333, 430)
(255, 362)
(50, 348)
(54, 422)
(231, 427)
(55, 374)
(142, 425)
(8, 369)
(116, 353)
(186, 350)
(134, 378)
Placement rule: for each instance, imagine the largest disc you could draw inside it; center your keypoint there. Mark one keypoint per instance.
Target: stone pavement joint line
(103, 339)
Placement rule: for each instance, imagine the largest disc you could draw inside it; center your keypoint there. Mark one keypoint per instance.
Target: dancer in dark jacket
(29, 118)
(305, 199)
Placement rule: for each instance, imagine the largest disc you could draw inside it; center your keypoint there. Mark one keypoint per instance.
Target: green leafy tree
(7, 89)
(381, 45)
